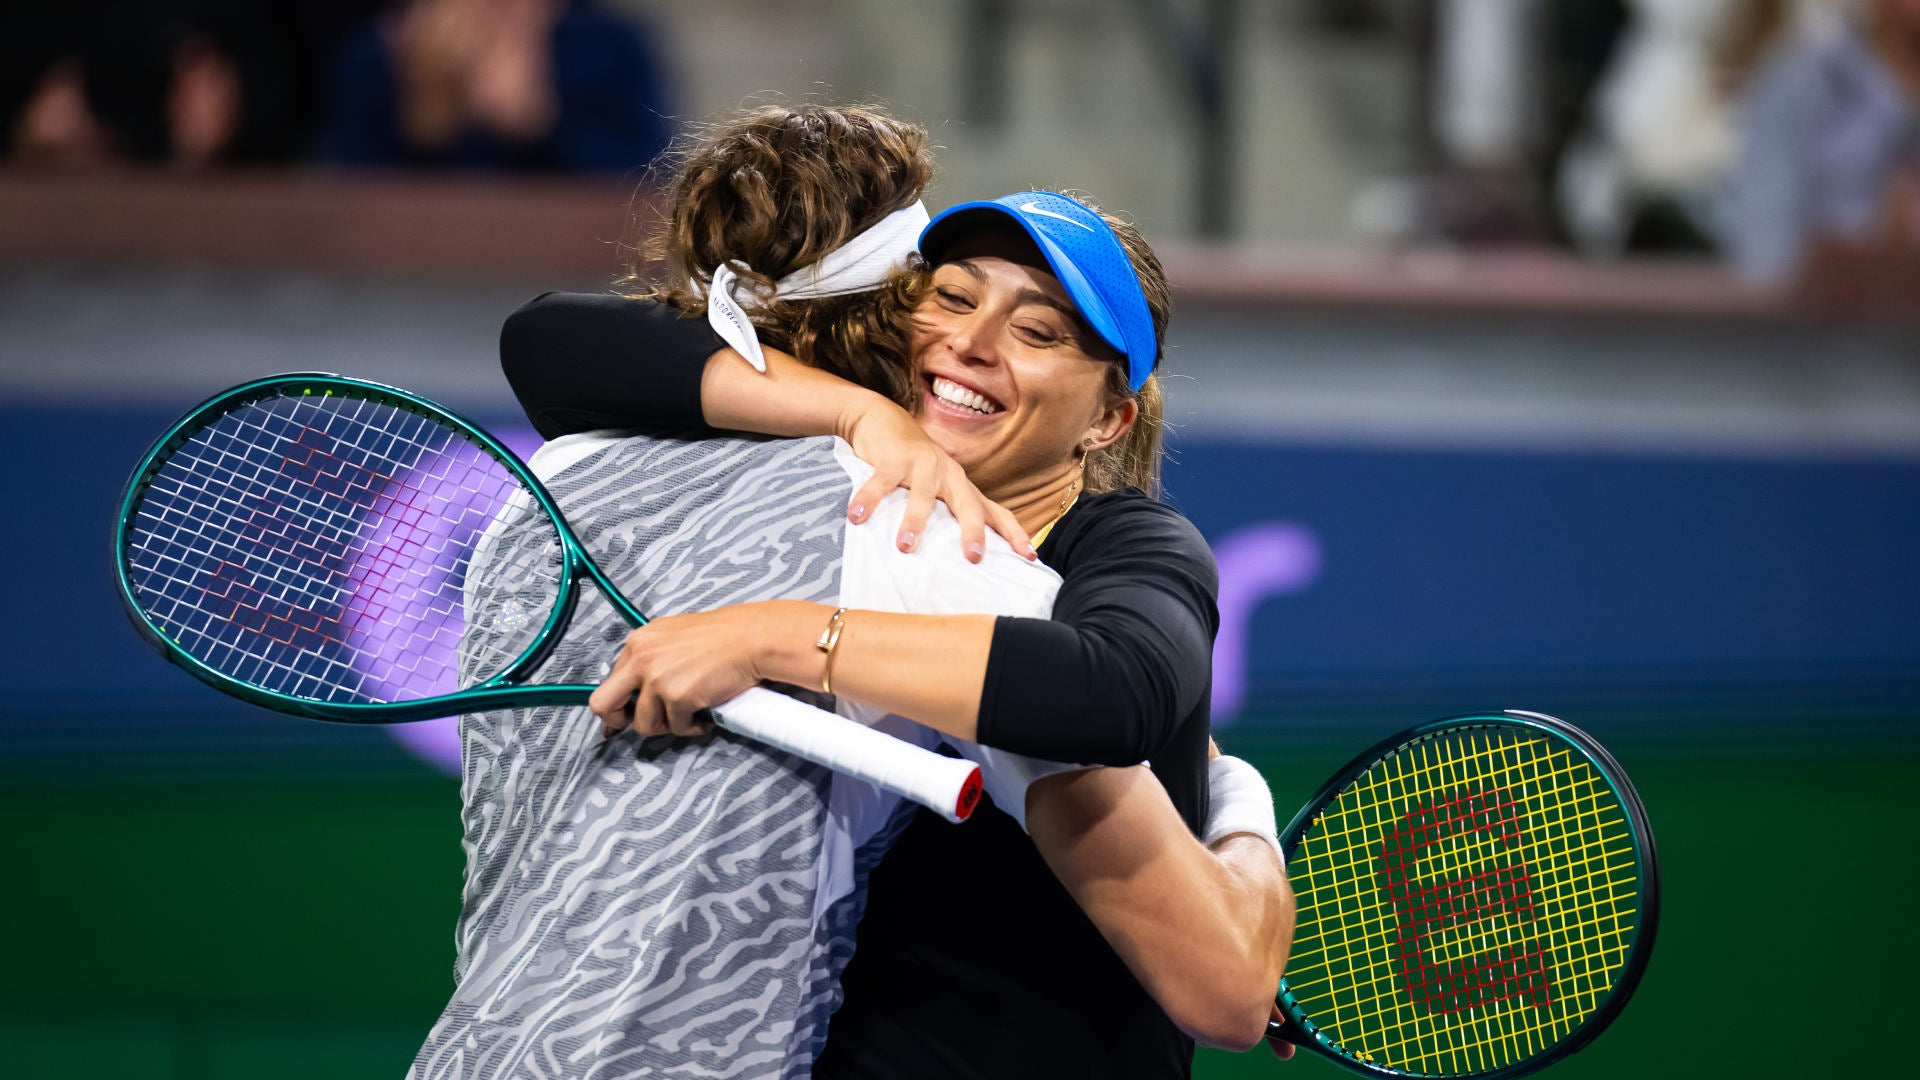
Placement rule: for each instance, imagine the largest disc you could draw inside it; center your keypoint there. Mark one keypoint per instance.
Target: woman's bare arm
(1206, 931)
(926, 667)
(788, 399)
(581, 361)
(929, 668)
(1107, 681)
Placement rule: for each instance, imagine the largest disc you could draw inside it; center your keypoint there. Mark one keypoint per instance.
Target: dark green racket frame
(498, 692)
(1303, 1033)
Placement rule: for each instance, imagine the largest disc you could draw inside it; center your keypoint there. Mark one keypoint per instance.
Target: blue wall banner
(1399, 579)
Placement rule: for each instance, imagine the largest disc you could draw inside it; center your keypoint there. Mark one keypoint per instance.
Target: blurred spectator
(1614, 125)
(512, 84)
(1831, 144)
(1485, 82)
(1658, 132)
(189, 83)
(1503, 85)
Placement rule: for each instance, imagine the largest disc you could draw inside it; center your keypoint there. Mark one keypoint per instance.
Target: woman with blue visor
(1034, 341)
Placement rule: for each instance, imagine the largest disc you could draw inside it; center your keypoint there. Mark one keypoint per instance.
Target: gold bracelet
(830, 640)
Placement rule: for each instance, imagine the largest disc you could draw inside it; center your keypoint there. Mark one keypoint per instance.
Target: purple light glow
(1272, 558)
(437, 742)
(402, 572)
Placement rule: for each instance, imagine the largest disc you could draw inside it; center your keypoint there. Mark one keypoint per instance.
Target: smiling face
(1011, 380)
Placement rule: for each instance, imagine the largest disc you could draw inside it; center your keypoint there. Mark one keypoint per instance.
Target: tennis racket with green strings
(347, 551)
(1477, 897)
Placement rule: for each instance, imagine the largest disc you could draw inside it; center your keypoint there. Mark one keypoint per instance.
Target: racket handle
(949, 786)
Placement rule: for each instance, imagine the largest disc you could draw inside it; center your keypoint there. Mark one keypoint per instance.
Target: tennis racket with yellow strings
(1477, 898)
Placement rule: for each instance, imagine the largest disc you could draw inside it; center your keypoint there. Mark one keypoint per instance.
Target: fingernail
(857, 511)
(907, 540)
(974, 551)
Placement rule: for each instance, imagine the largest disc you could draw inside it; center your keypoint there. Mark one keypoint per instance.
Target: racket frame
(1303, 1033)
(499, 692)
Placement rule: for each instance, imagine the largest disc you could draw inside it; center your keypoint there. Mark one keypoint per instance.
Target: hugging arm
(1205, 930)
(1130, 636)
(1128, 648)
(1129, 643)
(583, 361)
(1107, 680)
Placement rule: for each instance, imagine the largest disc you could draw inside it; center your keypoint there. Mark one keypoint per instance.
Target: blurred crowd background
(1548, 354)
(1754, 131)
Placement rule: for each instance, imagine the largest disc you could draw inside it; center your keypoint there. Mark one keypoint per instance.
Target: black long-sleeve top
(973, 960)
(1131, 637)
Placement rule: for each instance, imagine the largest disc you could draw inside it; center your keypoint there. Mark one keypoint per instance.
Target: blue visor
(1084, 255)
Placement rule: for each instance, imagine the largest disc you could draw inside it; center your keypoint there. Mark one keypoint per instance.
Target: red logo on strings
(1438, 918)
(284, 579)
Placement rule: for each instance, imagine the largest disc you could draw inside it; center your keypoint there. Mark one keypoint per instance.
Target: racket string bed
(320, 546)
(347, 551)
(1463, 905)
(1442, 769)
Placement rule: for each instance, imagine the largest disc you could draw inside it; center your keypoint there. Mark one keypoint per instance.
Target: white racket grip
(950, 786)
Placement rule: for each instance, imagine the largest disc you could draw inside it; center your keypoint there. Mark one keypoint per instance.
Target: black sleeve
(1128, 654)
(582, 361)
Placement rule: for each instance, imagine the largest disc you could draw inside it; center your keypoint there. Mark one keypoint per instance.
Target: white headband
(858, 265)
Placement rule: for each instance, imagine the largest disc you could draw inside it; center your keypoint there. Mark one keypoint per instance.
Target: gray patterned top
(664, 907)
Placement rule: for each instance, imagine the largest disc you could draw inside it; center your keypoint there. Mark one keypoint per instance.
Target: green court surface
(305, 929)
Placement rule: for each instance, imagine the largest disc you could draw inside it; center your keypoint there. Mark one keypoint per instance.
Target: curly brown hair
(777, 188)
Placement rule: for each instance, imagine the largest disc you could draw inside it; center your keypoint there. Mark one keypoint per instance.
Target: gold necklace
(1066, 503)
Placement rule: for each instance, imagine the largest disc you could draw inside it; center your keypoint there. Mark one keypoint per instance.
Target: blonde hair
(778, 188)
(1134, 459)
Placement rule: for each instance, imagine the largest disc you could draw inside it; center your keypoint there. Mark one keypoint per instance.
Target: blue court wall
(1371, 578)
(1400, 581)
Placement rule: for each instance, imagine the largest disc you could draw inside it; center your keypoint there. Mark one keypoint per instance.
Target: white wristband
(1239, 802)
